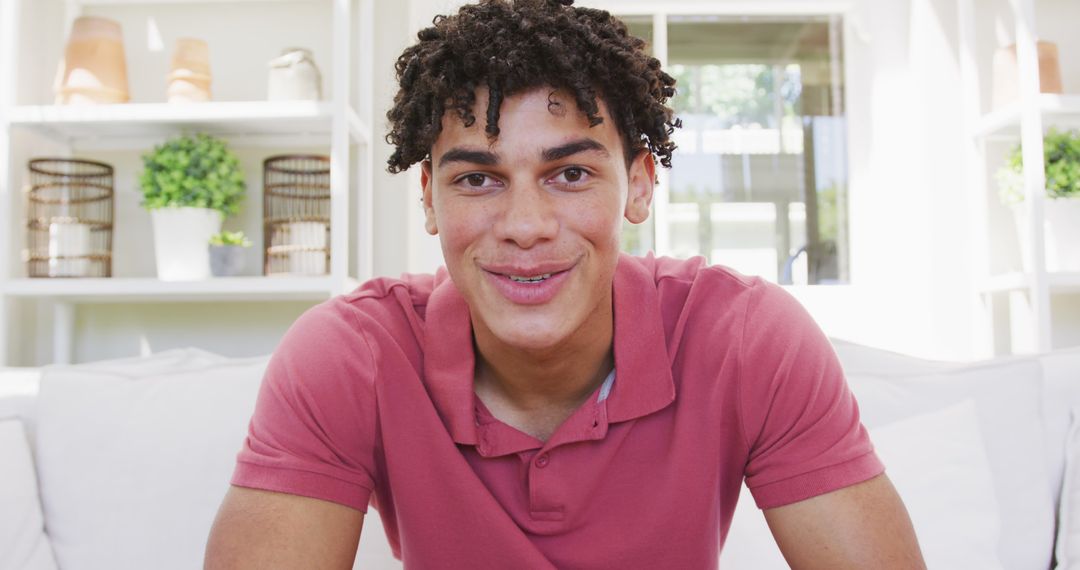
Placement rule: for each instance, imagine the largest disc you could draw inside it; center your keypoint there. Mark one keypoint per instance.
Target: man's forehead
(542, 118)
(542, 101)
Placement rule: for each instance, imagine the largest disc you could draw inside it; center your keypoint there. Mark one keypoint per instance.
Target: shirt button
(542, 461)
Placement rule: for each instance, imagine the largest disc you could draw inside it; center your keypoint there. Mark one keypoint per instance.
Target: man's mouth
(533, 279)
(531, 284)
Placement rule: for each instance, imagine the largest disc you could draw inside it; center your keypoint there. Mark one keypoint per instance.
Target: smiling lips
(532, 286)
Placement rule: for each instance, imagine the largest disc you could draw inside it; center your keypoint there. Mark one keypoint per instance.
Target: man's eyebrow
(572, 148)
(488, 158)
(483, 157)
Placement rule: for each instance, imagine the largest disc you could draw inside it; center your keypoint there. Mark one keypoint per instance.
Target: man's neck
(562, 376)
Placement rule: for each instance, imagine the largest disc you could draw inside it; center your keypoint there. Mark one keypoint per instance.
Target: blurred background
(848, 150)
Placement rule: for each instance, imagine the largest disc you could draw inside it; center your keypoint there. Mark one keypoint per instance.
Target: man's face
(530, 225)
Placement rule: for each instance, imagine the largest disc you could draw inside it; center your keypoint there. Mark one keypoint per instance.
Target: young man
(547, 402)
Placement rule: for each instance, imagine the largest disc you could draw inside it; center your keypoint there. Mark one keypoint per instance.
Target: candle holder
(296, 215)
(69, 218)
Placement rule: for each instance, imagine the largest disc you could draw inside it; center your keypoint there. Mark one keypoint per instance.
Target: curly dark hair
(512, 46)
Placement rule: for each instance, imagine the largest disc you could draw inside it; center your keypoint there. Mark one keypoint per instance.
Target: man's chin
(528, 336)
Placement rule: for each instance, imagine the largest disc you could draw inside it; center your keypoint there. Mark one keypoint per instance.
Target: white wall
(912, 289)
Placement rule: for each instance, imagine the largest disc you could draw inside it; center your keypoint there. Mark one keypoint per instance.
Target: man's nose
(528, 216)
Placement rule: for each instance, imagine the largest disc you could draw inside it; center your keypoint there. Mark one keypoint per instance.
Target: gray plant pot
(226, 260)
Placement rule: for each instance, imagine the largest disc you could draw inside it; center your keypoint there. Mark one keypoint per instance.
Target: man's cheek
(457, 234)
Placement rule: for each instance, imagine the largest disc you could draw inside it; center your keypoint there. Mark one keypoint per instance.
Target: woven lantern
(69, 218)
(296, 215)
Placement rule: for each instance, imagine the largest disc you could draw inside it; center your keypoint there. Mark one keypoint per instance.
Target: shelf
(140, 125)
(180, 2)
(1059, 283)
(123, 289)
(1061, 111)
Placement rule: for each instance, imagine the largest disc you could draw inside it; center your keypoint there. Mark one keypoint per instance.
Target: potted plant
(1061, 213)
(227, 253)
(189, 184)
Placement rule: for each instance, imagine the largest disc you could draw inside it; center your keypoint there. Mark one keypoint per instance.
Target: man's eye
(572, 175)
(476, 180)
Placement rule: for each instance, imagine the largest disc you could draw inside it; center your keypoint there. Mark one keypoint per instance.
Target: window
(759, 182)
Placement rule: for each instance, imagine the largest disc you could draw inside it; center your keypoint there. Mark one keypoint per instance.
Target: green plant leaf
(230, 238)
(1061, 154)
(192, 171)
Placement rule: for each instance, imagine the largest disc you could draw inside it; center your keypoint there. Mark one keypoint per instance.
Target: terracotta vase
(93, 69)
(189, 80)
(1007, 73)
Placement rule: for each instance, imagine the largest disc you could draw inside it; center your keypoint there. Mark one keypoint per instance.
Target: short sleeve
(799, 417)
(313, 431)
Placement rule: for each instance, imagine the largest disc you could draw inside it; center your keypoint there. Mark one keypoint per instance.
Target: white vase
(181, 236)
(294, 77)
(1061, 226)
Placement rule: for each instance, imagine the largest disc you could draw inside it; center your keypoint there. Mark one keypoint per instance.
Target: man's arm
(861, 526)
(266, 530)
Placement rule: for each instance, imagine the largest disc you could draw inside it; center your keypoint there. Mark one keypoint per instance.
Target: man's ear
(642, 179)
(429, 209)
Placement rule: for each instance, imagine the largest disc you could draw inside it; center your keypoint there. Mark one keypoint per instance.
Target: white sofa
(121, 465)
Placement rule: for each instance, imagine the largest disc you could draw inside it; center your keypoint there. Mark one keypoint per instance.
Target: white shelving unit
(339, 126)
(135, 290)
(1025, 296)
(1062, 111)
(134, 126)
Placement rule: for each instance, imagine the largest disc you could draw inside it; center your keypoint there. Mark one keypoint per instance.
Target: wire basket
(69, 218)
(296, 215)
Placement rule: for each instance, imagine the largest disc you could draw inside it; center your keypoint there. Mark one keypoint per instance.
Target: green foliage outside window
(192, 171)
(738, 94)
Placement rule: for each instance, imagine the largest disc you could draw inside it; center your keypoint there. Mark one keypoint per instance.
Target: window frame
(659, 240)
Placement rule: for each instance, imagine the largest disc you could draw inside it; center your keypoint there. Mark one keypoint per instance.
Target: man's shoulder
(717, 283)
(382, 304)
(409, 290)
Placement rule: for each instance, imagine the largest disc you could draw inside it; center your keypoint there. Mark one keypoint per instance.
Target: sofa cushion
(1061, 374)
(938, 464)
(1067, 548)
(135, 456)
(18, 396)
(23, 544)
(1008, 399)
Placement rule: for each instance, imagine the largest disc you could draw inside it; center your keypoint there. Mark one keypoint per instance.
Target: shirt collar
(642, 367)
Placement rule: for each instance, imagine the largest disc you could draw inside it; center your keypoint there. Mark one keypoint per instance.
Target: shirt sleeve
(800, 419)
(313, 432)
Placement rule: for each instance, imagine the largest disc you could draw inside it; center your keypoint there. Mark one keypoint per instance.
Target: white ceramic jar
(294, 77)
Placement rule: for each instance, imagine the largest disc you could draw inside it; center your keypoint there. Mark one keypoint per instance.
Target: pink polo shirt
(718, 376)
